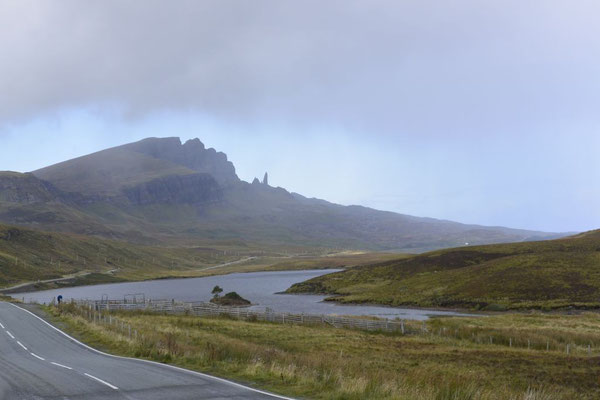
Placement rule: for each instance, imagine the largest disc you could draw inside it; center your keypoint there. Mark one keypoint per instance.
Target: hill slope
(70, 260)
(30, 255)
(160, 191)
(550, 274)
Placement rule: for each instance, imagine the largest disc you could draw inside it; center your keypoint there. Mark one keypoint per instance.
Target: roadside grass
(8, 299)
(320, 362)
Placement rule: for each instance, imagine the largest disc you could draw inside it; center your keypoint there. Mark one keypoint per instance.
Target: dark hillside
(163, 191)
(550, 274)
(21, 188)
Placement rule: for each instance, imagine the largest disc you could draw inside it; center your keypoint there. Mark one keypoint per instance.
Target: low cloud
(379, 67)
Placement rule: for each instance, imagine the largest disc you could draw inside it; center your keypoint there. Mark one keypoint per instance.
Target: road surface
(20, 286)
(38, 361)
(243, 260)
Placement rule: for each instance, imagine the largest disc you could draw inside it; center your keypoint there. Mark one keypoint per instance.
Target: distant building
(266, 179)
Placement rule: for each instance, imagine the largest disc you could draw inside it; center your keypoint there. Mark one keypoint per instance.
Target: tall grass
(534, 331)
(328, 363)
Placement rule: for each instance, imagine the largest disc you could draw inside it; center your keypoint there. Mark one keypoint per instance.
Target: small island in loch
(231, 299)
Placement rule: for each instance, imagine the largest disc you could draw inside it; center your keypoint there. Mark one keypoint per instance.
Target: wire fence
(99, 311)
(203, 309)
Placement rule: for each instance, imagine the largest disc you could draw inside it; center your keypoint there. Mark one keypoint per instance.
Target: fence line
(98, 311)
(243, 313)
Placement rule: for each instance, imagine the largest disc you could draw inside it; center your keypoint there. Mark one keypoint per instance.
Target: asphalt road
(38, 361)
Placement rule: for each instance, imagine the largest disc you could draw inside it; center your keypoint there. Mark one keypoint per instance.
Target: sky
(478, 112)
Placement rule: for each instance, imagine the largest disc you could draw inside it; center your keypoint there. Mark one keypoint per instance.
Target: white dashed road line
(214, 378)
(60, 365)
(101, 381)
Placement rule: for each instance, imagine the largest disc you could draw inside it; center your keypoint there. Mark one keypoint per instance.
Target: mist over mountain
(159, 190)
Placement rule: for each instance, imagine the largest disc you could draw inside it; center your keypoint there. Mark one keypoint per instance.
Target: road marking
(60, 365)
(38, 357)
(21, 344)
(10, 334)
(188, 371)
(101, 381)
(1, 325)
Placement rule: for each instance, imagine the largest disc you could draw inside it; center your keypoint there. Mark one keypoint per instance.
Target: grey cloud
(392, 67)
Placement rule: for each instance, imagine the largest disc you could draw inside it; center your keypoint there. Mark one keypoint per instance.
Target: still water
(260, 288)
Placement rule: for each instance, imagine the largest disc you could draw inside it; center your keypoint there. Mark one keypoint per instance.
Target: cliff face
(176, 189)
(26, 189)
(104, 193)
(192, 154)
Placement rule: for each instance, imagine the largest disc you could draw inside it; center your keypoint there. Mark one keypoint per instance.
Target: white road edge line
(1, 325)
(275, 396)
(22, 345)
(10, 334)
(59, 365)
(101, 381)
(38, 357)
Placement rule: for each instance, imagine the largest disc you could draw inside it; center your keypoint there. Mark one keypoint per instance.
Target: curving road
(38, 361)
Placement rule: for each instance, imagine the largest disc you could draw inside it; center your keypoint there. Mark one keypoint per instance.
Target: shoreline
(329, 298)
(562, 310)
(22, 287)
(407, 307)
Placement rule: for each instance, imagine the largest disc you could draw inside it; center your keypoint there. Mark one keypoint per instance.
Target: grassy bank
(328, 363)
(32, 256)
(29, 255)
(552, 274)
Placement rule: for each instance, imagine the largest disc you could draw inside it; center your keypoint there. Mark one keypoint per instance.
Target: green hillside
(28, 255)
(31, 256)
(548, 275)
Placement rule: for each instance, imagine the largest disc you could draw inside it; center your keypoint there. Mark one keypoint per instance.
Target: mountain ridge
(164, 191)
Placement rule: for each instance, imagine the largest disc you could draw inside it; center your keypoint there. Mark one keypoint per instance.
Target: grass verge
(328, 363)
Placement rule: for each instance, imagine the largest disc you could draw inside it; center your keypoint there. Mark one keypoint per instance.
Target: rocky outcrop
(10, 234)
(98, 193)
(231, 299)
(176, 189)
(26, 189)
(192, 155)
